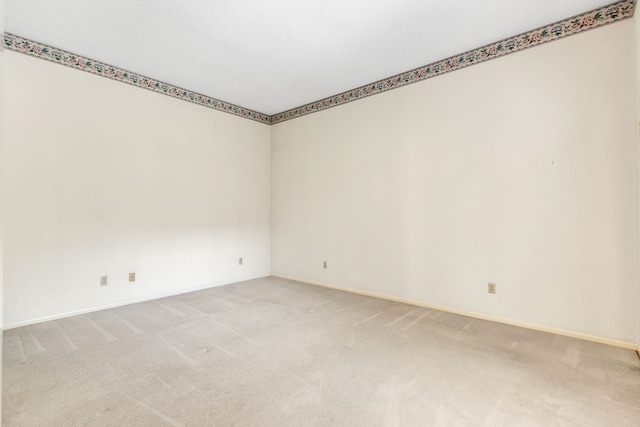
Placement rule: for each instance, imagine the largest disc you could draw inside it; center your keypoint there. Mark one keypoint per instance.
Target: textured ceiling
(274, 55)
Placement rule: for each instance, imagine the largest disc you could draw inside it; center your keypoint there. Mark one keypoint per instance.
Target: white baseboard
(564, 332)
(124, 302)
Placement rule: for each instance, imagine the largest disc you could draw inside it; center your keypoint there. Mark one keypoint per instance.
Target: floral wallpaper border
(587, 21)
(29, 47)
(596, 18)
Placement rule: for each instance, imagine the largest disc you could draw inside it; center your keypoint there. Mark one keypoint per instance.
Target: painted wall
(2, 84)
(519, 171)
(636, 22)
(2, 138)
(106, 179)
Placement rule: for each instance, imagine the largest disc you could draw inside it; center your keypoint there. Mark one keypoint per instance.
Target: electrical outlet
(132, 277)
(240, 261)
(491, 288)
(103, 281)
(324, 264)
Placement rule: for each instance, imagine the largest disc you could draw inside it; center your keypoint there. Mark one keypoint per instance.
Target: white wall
(105, 179)
(2, 138)
(636, 21)
(2, 84)
(519, 171)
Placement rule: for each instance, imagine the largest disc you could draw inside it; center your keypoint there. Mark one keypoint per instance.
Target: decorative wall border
(580, 23)
(589, 20)
(39, 50)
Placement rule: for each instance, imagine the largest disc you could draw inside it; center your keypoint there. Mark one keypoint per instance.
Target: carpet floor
(273, 352)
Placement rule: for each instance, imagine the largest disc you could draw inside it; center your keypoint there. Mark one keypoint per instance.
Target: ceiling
(274, 55)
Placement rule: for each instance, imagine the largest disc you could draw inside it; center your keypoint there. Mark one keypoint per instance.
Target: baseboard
(564, 332)
(124, 302)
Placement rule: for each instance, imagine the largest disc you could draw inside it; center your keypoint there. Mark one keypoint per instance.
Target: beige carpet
(271, 352)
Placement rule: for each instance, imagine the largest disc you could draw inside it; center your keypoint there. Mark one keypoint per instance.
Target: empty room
(314, 213)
